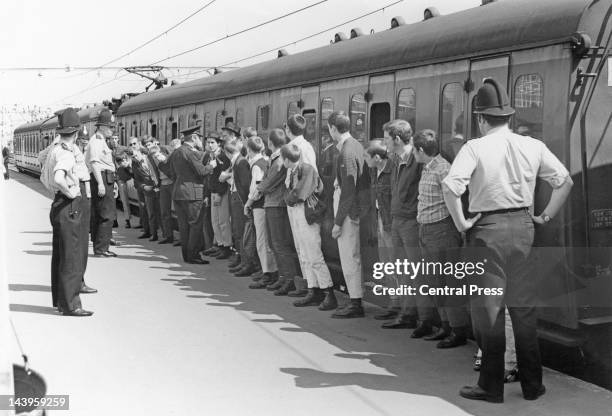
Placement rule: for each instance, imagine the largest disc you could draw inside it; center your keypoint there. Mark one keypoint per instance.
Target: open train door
(496, 68)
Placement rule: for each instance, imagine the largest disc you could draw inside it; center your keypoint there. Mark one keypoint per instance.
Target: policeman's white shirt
(98, 151)
(501, 169)
(61, 157)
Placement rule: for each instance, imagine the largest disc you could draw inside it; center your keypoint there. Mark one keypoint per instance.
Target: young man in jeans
(349, 176)
(438, 238)
(404, 228)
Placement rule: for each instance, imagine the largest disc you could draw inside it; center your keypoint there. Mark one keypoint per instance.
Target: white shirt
(256, 176)
(61, 158)
(98, 151)
(501, 169)
(307, 151)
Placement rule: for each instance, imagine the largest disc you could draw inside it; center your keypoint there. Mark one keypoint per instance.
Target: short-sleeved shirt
(62, 157)
(81, 168)
(431, 206)
(501, 169)
(98, 151)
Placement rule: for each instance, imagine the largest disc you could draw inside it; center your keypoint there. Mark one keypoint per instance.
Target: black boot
(235, 261)
(353, 309)
(313, 298)
(329, 303)
(268, 279)
(276, 285)
(440, 334)
(423, 329)
(286, 288)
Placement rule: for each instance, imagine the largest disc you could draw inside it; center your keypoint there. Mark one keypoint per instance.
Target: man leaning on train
(501, 170)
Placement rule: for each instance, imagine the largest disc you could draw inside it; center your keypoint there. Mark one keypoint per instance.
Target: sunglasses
(133, 144)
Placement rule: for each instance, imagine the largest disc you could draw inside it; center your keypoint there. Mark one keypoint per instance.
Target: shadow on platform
(19, 287)
(44, 310)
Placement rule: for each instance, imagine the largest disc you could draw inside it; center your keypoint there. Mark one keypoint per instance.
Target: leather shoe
(297, 293)
(477, 393)
(154, 237)
(439, 335)
(177, 243)
(351, 310)
(144, 235)
(211, 250)
(107, 253)
(330, 302)
(224, 253)
(235, 269)
(276, 285)
(86, 289)
(402, 321)
(452, 341)
(166, 241)
(244, 272)
(314, 297)
(423, 329)
(198, 261)
(287, 287)
(234, 261)
(534, 396)
(77, 312)
(387, 314)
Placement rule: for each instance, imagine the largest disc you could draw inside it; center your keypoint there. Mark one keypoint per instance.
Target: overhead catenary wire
(251, 56)
(165, 32)
(304, 38)
(241, 32)
(198, 47)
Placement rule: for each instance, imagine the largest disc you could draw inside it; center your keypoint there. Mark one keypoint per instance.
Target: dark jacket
(273, 184)
(350, 175)
(405, 179)
(188, 173)
(242, 177)
(381, 192)
(143, 176)
(223, 163)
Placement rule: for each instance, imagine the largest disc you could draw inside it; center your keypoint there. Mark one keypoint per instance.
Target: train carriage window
(154, 130)
(123, 138)
(263, 118)
(406, 106)
(327, 107)
(452, 130)
(219, 121)
(310, 134)
(357, 110)
(240, 117)
(529, 105)
(174, 133)
(292, 108)
(207, 127)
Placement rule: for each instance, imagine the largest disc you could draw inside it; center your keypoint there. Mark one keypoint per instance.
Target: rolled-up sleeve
(461, 170)
(551, 169)
(64, 161)
(93, 152)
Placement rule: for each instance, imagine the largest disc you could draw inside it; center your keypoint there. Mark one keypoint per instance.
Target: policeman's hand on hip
(467, 224)
(101, 190)
(73, 192)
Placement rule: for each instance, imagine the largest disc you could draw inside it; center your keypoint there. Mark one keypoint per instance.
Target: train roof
(501, 25)
(85, 114)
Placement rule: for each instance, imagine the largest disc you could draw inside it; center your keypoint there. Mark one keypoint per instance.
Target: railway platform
(169, 338)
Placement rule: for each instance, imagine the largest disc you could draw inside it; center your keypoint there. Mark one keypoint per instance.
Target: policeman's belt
(504, 211)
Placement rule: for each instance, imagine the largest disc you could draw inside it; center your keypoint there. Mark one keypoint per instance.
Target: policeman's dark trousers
(104, 213)
(67, 256)
(142, 211)
(505, 241)
(440, 242)
(165, 206)
(84, 229)
(190, 227)
(281, 241)
(153, 211)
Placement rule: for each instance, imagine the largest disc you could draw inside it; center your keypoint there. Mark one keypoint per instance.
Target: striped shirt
(431, 207)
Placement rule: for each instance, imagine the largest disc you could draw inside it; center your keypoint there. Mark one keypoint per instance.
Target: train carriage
(553, 57)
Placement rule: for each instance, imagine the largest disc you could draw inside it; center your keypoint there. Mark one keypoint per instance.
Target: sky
(86, 33)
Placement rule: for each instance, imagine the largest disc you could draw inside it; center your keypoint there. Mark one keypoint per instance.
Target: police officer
(66, 217)
(99, 159)
(501, 169)
(185, 166)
